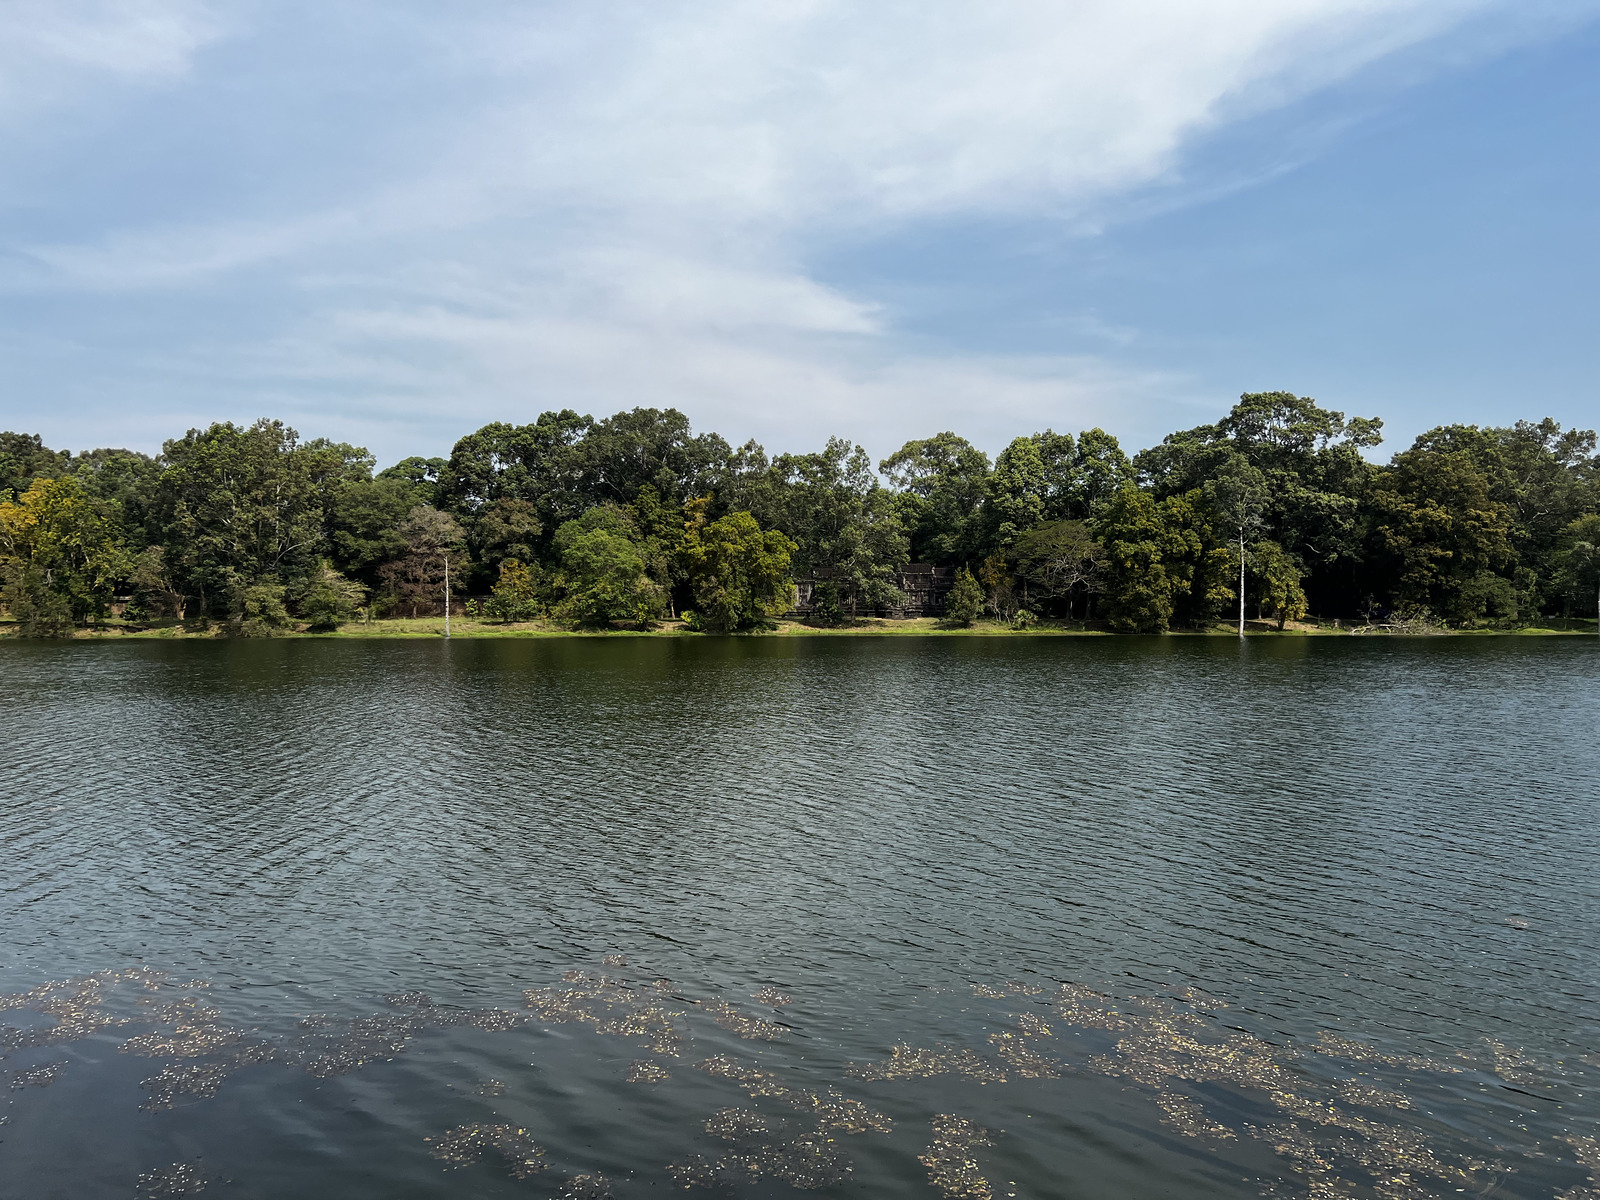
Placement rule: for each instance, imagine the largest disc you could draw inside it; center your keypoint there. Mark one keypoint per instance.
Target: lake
(963, 917)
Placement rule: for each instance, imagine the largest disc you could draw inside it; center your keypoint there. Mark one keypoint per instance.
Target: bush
(965, 600)
(825, 604)
(39, 610)
(516, 593)
(258, 610)
(327, 599)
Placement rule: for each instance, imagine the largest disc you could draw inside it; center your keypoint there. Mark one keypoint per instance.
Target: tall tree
(603, 571)
(431, 567)
(24, 458)
(739, 571)
(1060, 559)
(242, 506)
(61, 555)
(1439, 534)
(943, 482)
(843, 523)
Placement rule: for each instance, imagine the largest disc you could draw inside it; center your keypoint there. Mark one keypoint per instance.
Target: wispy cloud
(615, 203)
(50, 49)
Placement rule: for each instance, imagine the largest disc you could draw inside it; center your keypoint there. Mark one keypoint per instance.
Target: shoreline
(475, 628)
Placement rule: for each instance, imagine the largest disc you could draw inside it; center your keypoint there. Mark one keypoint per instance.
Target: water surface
(899, 917)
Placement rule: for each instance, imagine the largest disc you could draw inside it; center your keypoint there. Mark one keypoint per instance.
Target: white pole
(1241, 581)
(447, 593)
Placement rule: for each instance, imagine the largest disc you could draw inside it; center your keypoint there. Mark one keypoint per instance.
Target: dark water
(1144, 918)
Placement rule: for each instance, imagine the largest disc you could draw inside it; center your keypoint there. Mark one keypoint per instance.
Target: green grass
(472, 627)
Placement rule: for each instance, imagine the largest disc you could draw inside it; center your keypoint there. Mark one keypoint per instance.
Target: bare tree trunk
(447, 594)
(1241, 581)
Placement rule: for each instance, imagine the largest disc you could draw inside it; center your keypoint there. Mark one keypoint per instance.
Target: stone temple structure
(925, 587)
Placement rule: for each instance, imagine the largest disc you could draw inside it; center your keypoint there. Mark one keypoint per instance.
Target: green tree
(241, 506)
(430, 569)
(23, 458)
(155, 595)
(61, 556)
(843, 523)
(1237, 494)
(1579, 561)
(739, 572)
(1049, 476)
(1059, 559)
(943, 483)
(603, 571)
(1277, 582)
(1161, 563)
(516, 593)
(1437, 528)
(506, 528)
(964, 601)
(257, 608)
(127, 480)
(362, 520)
(1312, 474)
(327, 599)
(542, 464)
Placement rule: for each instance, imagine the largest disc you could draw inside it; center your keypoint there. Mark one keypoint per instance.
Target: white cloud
(619, 207)
(48, 47)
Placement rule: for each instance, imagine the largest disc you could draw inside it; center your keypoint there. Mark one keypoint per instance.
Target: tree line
(635, 517)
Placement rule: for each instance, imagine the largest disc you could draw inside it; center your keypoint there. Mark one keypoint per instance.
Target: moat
(956, 917)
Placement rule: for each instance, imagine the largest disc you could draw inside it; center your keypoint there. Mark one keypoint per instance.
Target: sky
(392, 222)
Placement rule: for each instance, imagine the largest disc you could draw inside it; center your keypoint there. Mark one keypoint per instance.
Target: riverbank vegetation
(636, 522)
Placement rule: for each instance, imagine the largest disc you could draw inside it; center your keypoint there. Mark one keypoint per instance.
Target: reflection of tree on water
(1349, 1118)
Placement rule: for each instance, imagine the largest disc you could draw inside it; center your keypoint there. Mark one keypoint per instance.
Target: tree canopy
(635, 515)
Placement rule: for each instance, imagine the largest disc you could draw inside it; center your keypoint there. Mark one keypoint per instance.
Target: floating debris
(199, 1081)
(197, 1030)
(731, 1124)
(1587, 1150)
(1164, 1049)
(1353, 1091)
(952, 1169)
(1011, 987)
(911, 1062)
(1089, 1009)
(180, 1179)
(752, 1029)
(38, 1076)
(586, 1187)
(384, 1036)
(806, 1160)
(614, 960)
(610, 1007)
(1023, 1060)
(1339, 1136)
(467, 1144)
(1342, 1047)
(1514, 1066)
(642, 1070)
(832, 1110)
(1189, 1119)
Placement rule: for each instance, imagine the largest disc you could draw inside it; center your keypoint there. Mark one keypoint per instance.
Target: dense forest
(250, 531)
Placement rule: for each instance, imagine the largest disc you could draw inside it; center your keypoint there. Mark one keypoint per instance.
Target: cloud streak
(616, 203)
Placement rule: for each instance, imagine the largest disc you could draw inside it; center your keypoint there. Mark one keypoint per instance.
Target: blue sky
(391, 223)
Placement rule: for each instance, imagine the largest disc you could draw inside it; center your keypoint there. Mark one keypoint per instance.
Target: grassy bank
(471, 627)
